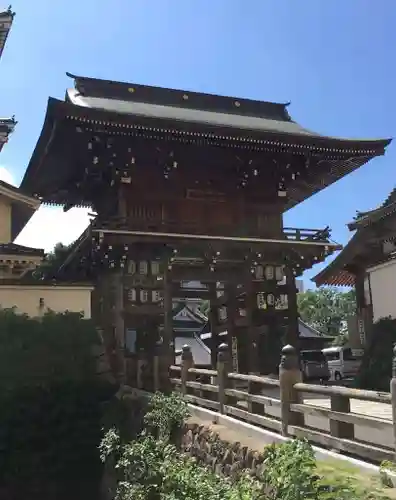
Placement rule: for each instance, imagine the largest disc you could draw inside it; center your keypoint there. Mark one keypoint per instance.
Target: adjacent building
(18, 288)
(368, 263)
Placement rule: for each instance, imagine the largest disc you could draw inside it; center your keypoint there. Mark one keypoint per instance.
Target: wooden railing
(284, 406)
(152, 223)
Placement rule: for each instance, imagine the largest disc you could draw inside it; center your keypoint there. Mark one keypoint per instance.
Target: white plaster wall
(383, 289)
(26, 299)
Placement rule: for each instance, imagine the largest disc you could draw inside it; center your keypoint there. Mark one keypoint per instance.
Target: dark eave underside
(6, 19)
(342, 156)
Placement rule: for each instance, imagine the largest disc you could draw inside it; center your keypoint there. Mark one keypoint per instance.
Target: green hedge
(51, 408)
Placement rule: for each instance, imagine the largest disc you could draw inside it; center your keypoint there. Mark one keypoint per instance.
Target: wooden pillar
(187, 362)
(107, 321)
(289, 374)
(362, 317)
(168, 345)
(292, 334)
(118, 324)
(122, 203)
(393, 395)
(223, 367)
(342, 404)
(232, 341)
(252, 330)
(213, 322)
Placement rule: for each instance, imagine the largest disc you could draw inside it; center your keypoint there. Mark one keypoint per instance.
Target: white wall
(26, 299)
(5, 220)
(382, 281)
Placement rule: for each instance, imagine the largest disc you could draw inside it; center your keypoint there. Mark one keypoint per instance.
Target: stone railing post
(393, 395)
(223, 362)
(289, 374)
(187, 362)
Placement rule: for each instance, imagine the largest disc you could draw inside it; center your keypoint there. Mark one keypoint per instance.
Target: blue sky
(334, 60)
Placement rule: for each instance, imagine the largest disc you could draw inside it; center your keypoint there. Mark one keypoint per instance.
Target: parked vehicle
(314, 365)
(343, 362)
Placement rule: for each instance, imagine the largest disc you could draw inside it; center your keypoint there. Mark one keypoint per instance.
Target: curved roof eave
(339, 262)
(42, 143)
(212, 118)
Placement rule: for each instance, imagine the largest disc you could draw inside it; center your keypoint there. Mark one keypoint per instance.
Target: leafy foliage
(41, 352)
(204, 307)
(166, 414)
(51, 407)
(150, 467)
(289, 471)
(326, 309)
(52, 261)
(153, 469)
(376, 369)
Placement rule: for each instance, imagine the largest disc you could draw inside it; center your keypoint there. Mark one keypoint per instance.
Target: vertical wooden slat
(252, 331)
(292, 334)
(213, 321)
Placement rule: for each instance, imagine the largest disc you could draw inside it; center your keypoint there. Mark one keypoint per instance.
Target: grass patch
(368, 485)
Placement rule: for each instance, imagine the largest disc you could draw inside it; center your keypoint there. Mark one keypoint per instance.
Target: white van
(343, 362)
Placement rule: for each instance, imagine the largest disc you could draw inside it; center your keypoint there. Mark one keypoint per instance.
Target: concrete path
(362, 432)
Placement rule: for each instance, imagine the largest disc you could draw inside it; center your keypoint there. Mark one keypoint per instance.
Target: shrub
(52, 405)
(151, 469)
(166, 414)
(289, 470)
(376, 368)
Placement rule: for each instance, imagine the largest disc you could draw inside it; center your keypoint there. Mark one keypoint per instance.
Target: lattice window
(279, 273)
(259, 272)
(143, 267)
(261, 303)
(143, 296)
(269, 272)
(131, 267)
(155, 268)
(156, 296)
(282, 303)
(132, 295)
(222, 314)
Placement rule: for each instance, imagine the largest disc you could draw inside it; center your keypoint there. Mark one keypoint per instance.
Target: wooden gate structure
(187, 186)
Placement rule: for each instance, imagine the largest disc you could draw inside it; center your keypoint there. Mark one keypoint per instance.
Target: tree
(52, 261)
(205, 307)
(327, 310)
(51, 403)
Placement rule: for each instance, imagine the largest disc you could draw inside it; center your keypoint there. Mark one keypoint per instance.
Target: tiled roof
(14, 249)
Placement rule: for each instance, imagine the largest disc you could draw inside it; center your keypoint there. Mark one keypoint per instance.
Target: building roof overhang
(343, 269)
(6, 19)
(7, 126)
(199, 119)
(20, 251)
(365, 219)
(23, 207)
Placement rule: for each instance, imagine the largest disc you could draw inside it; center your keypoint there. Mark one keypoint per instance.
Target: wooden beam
(185, 293)
(144, 309)
(203, 274)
